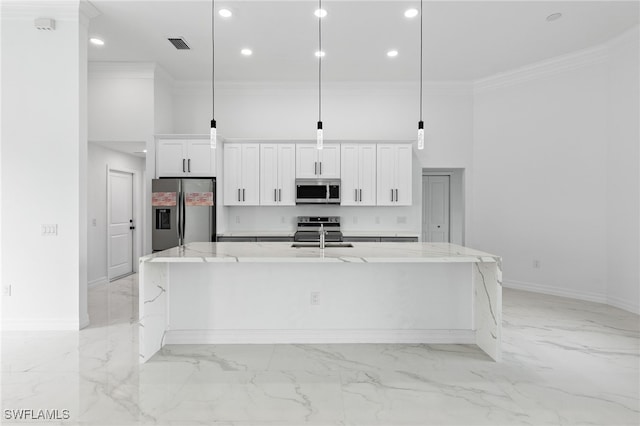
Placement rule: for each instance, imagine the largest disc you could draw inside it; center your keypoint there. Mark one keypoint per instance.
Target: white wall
(366, 111)
(42, 148)
(100, 159)
(121, 101)
(550, 182)
(623, 174)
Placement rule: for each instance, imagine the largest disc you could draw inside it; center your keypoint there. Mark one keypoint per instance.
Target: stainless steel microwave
(317, 191)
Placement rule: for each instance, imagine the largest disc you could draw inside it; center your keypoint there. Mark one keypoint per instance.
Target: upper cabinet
(394, 174)
(312, 162)
(358, 174)
(185, 157)
(241, 174)
(277, 174)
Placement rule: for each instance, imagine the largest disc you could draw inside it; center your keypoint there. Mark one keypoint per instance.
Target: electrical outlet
(49, 230)
(536, 264)
(315, 298)
(6, 290)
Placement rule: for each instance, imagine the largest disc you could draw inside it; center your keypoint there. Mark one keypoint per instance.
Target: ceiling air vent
(179, 43)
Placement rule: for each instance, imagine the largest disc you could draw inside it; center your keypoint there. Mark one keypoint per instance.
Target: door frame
(457, 213)
(136, 206)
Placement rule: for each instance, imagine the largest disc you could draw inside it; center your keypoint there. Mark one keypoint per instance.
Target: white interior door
(120, 222)
(435, 209)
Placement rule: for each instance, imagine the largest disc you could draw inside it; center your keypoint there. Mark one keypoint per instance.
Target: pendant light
(214, 131)
(320, 137)
(420, 123)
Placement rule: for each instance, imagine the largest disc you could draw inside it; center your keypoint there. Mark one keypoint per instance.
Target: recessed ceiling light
(96, 41)
(225, 13)
(411, 13)
(392, 53)
(320, 54)
(246, 52)
(320, 13)
(554, 17)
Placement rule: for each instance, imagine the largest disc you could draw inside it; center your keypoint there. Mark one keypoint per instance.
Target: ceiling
(463, 40)
(137, 149)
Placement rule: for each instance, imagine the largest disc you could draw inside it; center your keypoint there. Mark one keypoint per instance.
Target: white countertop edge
(321, 259)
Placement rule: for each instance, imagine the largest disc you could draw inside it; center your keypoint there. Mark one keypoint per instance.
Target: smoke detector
(179, 43)
(46, 24)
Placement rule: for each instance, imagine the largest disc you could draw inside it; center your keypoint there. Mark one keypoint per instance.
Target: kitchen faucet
(322, 234)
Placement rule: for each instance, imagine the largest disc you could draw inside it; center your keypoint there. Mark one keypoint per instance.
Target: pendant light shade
(420, 123)
(213, 139)
(319, 135)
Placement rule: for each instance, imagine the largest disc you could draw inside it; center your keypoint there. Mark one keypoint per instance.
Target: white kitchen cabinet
(277, 174)
(394, 174)
(312, 162)
(241, 174)
(358, 174)
(185, 158)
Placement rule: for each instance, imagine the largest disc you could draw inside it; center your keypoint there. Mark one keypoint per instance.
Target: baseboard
(41, 324)
(624, 304)
(556, 291)
(98, 281)
(318, 336)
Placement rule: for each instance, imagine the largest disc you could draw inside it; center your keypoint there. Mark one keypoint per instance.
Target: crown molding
(445, 87)
(122, 69)
(55, 9)
(544, 69)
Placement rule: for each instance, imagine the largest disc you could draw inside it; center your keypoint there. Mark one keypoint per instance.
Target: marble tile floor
(566, 362)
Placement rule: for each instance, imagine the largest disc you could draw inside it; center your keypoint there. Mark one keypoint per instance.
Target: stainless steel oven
(317, 191)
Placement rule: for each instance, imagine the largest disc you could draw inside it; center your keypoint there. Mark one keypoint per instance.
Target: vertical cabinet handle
(315, 167)
(238, 194)
(189, 165)
(321, 168)
(243, 199)
(396, 195)
(361, 195)
(355, 195)
(275, 194)
(183, 168)
(280, 194)
(391, 195)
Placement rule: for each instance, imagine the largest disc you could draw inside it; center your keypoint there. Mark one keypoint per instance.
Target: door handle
(189, 165)
(396, 195)
(133, 227)
(280, 194)
(183, 168)
(238, 194)
(356, 195)
(243, 199)
(361, 195)
(275, 194)
(321, 168)
(315, 167)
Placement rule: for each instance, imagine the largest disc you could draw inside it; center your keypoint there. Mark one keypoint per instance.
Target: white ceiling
(463, 40)
(133, 148)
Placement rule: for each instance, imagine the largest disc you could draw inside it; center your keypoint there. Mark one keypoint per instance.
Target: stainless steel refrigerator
(183, 212)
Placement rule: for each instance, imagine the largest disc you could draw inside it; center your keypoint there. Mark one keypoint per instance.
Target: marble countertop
(283, 252)
(289, 233)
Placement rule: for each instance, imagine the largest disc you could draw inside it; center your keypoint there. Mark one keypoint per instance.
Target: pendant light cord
(213, 61)
(420, 60)
(320, 61)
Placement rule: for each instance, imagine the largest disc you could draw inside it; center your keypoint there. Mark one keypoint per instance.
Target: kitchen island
(271, 292)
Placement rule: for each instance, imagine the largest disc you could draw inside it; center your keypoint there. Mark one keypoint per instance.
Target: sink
(317, 245)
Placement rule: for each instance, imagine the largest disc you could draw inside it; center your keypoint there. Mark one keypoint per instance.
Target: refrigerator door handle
(184, 217)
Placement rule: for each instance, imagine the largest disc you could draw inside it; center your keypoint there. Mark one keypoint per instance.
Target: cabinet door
(403, 174)
(201, 160)
(171, 157)
(349, 175)
(268, 174)
(287, 174)
(232, 174)
(366, 175)
(250, 174)
(306, 161)
(385, 181)
(329, 158)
